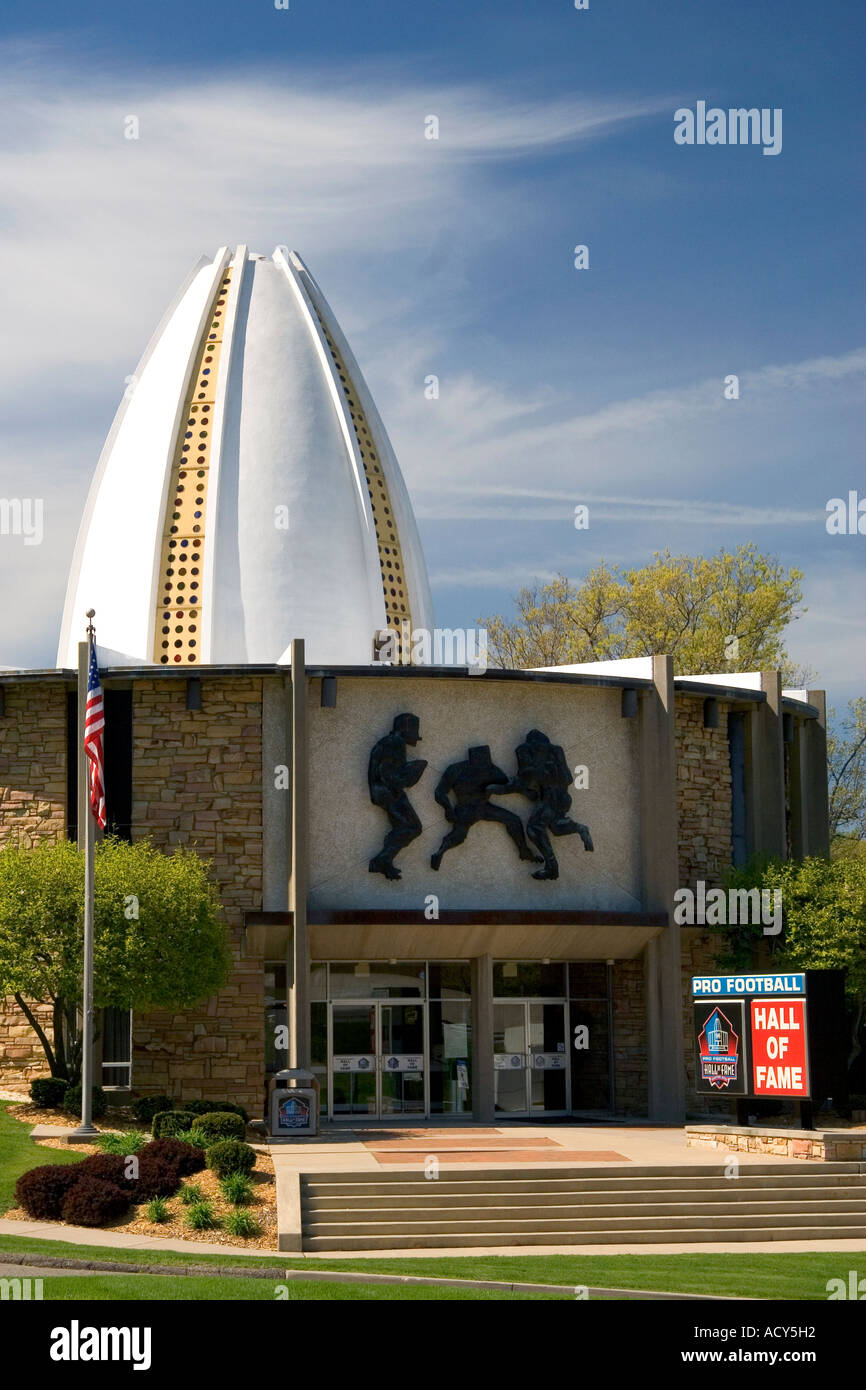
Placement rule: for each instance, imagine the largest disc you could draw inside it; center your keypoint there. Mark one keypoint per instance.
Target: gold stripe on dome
(394, 586)
(177, 634)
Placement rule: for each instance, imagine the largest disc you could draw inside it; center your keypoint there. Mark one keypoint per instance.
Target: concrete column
(799, 789)
(482, 1039)
(299, 964)
(660, 875)
(765, 771)
(816, 795)
(276, 794)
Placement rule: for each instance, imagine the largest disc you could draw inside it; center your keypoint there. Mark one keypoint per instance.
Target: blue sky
(454, 257)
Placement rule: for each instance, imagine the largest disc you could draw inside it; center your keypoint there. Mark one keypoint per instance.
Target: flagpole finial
(91, 613)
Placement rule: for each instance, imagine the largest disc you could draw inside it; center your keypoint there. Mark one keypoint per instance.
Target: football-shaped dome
(247, 492)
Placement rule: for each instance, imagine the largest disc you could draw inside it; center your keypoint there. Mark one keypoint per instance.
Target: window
(116, 1049)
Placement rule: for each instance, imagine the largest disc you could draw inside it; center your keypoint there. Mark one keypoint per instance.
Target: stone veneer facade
(32, 808)
(197, 781)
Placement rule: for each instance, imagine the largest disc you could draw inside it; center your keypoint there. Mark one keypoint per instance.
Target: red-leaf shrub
(110, 1168)
(186, 1157)
(41, 1191)
(157, 1177)
(92, 1202)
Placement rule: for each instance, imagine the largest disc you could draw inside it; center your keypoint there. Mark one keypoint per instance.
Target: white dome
(247, 492)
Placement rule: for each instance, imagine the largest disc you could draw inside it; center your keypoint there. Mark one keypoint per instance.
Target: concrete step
(569, 1219)
(436, 1194)
(660, 1235)
(382, 1210)
(610, 1175)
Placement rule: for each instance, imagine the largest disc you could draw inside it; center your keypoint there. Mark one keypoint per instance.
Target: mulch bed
(263, 1206)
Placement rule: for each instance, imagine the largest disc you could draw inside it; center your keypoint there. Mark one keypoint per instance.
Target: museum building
(452, 886)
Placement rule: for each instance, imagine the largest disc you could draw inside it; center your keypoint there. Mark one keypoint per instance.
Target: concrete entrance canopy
(370, 935)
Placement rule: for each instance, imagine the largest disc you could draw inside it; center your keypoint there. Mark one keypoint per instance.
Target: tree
(824, 923)
(723, 613)
(846, 768)
(159, 939)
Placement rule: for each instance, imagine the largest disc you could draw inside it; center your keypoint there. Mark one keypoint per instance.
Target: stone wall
(32, 808)
(197, 778)
(831, 1146)
(703, 794)
(629, 1037)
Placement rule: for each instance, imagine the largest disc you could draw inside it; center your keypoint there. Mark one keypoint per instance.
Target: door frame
(376, 1005)
(528, 1112)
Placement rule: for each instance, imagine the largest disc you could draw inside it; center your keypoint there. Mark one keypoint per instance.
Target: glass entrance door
(529, 1057)
(547, 1069)
(377, 1059)
(354, 1053)
(401, 1034)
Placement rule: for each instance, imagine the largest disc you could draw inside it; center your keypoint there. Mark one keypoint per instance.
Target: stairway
(583, 1206)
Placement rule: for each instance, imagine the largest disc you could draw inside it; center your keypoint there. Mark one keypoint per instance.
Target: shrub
(191, 1192)
(157, 1210)
(48, 1091)
(242, 1223)
(237, 1188)
(231, 1156)
(122, 1144)
(200, 1217)
(157, 1177)
(111, 1168)
(41, 1191)
(212, 1107)
(187, 1158)
(167, 1123)
(146, 1107)
(220, 1125)
(72, 1101)
(92, 1202)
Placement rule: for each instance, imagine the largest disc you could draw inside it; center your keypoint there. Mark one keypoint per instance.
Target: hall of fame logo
(719, 1050)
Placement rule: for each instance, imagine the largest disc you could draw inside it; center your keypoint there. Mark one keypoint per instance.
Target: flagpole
(87, 1128)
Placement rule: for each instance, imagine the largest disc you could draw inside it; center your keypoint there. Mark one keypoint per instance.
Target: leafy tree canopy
(159, 939)
(726, 612)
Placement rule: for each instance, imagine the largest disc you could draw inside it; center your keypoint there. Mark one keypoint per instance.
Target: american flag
(94, 723)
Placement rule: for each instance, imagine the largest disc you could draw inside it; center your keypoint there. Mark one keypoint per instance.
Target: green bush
(122, 1144)
(48, 1091)
(157, 1210)
(219, 1125)
(200, 1217)
(42, 1191)
(237, 1188)
(167, 1124)
(146, 1107)
(210, 1107)
(72, 1101)
(242, 1223)
(231, 1156)
(93, 1202)
(191, 1192)
(186, 1158)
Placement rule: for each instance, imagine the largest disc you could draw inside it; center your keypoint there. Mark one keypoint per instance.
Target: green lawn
(783, 1276)
(151, 1287)
(18, 1153)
